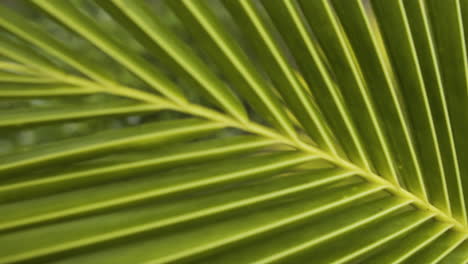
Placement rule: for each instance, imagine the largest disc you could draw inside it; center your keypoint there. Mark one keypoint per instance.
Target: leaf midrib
(248, 126)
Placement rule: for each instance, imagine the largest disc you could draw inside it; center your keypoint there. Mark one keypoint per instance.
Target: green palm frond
(233, 131)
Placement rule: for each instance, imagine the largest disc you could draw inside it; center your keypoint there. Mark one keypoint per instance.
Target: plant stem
(200, 111)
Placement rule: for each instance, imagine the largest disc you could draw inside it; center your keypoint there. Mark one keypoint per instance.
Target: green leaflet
(16, 78)
(400, 249)
(38, 90)
(127, 164)
(105, 142)
(57, 114)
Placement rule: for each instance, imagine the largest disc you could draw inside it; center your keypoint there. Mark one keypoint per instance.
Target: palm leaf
(233, 131)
